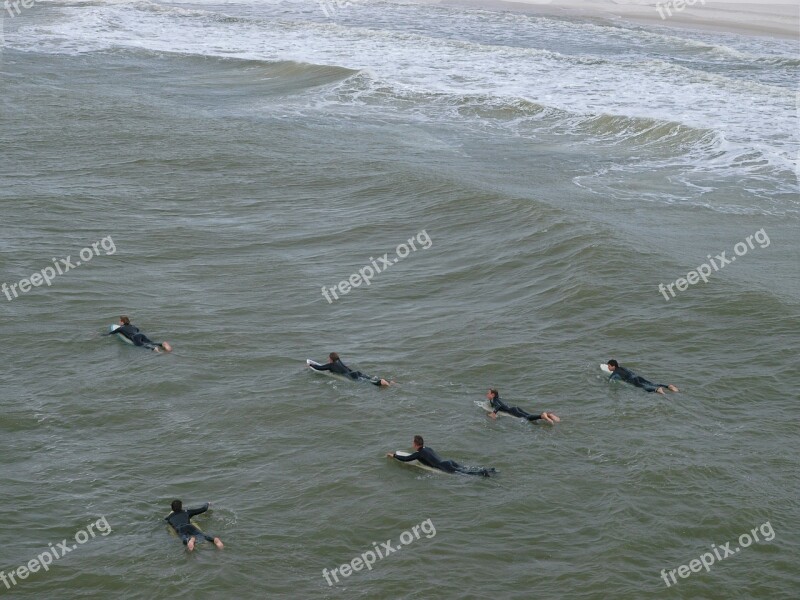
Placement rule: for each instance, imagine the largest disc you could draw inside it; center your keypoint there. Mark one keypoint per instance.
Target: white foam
(584, 68)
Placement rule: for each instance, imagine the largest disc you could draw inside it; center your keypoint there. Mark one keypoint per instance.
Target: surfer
(493, 396)
(429, 458)
(335, 365)
(126, 329)
(618, 372)
(179, 519)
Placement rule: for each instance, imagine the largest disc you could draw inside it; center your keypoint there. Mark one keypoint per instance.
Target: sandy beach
(772, 19)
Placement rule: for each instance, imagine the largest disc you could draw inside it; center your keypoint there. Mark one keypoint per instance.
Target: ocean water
(230, 159)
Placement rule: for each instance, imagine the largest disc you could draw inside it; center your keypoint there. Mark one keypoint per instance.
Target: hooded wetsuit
(499, 405)
(629, 376)
(429, 458)
(183, 527)
(340, 368)
(133, 334)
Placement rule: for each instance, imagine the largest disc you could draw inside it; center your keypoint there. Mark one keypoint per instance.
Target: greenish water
(241, 162)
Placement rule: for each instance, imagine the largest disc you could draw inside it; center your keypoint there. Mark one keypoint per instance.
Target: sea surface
(230, 159)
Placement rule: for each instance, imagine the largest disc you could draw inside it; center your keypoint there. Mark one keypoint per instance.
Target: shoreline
(779, 20)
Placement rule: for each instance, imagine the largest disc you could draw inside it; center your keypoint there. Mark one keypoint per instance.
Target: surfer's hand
(390, 455)
(493, 415)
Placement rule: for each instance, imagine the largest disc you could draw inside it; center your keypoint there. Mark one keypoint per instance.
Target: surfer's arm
(409, 458)
(196, 511)
(325, 367)
(125, 330)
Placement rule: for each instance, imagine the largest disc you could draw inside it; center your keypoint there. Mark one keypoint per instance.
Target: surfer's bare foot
(660, 391)
(548, 417)
(190, 544)
(554, 417)
(218, 543)
(385, 383)
(672, 388)
(166, 346)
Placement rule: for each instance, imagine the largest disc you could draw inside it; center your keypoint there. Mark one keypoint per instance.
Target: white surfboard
(416, 463)
(605, 369)
(113, 328)
(488, 408)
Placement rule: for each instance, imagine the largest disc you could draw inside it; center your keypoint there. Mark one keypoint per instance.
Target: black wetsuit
(137, 337)
(429, 458)
(340, 368)
(183, 527)
(630, 377)
(499, 405)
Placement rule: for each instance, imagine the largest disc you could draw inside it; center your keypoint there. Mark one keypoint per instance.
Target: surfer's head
(333, 357)
(124, 320)
(177, 506)
(612, 364)
(418, 442)
(492, 393)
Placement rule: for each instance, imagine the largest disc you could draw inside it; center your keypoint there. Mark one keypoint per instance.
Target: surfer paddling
(335, 365)
(628, 376)
(131, 332)
(493, 396)
(429, 458)
(180, 520)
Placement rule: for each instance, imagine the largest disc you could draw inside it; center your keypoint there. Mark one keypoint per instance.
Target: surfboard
(416, 463)
(488, 408)
(112, 328)
(604, 368)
